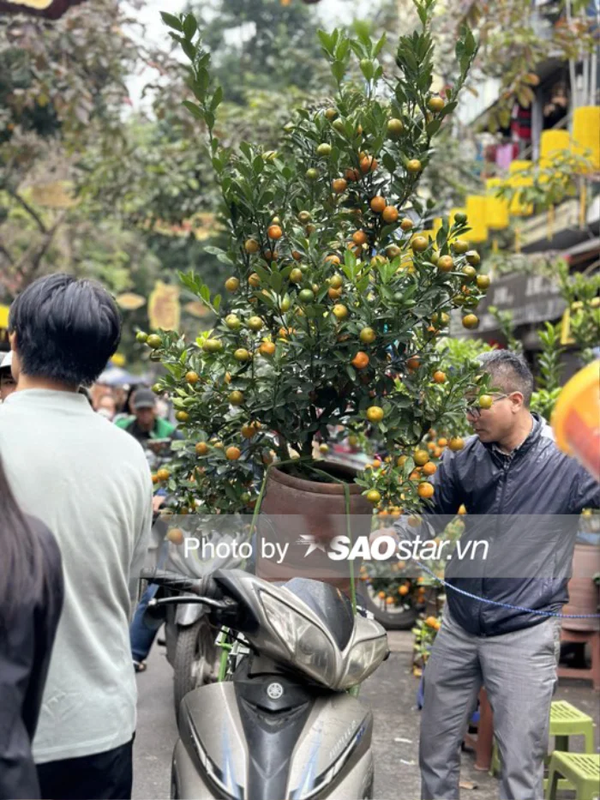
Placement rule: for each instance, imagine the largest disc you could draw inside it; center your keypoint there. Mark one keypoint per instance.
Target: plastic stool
(582, 771)
(565, 720)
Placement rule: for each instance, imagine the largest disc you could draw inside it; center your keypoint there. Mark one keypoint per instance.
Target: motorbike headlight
(363, 659)
(308, 647)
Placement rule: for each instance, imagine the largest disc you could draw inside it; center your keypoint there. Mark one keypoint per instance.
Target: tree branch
(36, 261)
(32, 212)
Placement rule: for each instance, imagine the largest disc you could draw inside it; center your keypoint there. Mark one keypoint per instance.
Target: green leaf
(338, 68)
(189, 49)
(263, 274)
(470, 42)
(205, 293)
(190, 26)
(217, 301)
(389, 163)
(362, 30)
(433, 127)
(266, 299)
(171, 20)
(448, 108)
(194, 109)
(326, 40)
(341, 51)
(378, 47)
(202, 79)
(368, 69)
(217, 98)
(276, 281)
(258, 165)
(246, 150)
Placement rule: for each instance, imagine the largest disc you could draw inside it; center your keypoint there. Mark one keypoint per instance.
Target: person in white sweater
(89, 482)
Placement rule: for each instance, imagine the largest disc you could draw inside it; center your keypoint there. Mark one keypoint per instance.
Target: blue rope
(506, 605)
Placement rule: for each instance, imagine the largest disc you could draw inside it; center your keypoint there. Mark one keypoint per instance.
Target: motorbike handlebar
(205, 587)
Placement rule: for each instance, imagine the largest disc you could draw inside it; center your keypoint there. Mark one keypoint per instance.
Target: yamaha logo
(274, 690)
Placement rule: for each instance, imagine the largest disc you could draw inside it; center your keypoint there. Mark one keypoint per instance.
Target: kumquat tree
(338, 293)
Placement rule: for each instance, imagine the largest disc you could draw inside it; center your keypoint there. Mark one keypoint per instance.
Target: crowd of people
(76, 509)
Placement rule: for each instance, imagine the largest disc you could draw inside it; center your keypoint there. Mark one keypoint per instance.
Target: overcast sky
(328, 11)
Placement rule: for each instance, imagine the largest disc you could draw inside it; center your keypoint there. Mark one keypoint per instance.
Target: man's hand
(157, 502)
(383, 532)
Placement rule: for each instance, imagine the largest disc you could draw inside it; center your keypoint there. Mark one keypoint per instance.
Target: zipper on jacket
(505, 468)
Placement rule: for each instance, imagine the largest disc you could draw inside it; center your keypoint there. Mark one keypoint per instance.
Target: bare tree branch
(32, 212)
(36, 260)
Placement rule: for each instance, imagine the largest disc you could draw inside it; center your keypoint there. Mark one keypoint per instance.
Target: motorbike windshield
(332, 607)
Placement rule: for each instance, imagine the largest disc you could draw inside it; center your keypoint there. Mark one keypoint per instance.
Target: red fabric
(521, 123)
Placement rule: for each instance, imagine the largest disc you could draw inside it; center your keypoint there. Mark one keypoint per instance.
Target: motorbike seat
(329, 604)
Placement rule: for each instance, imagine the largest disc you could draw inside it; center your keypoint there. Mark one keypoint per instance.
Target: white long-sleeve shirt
(90, 483)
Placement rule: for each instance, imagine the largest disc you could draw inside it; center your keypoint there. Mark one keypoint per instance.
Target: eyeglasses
(475, 411)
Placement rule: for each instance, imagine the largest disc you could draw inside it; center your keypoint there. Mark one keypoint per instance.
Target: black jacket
(25, 649)
(527, 508)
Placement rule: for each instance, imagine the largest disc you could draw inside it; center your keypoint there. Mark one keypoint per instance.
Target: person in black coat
(500, 627)
(31, 596)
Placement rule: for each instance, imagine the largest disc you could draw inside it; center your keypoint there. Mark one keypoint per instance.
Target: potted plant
(335, 302)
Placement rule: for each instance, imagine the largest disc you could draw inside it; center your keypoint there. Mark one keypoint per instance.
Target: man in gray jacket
(89, 482)
(524, 497)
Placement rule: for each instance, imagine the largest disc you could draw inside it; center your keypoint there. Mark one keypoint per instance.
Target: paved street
(391, 694)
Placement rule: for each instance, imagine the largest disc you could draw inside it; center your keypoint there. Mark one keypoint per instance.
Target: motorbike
(283, 720)
(190, 641)
(190, 638)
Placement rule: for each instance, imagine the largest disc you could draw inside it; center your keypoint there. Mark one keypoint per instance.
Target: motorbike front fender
(188, 614)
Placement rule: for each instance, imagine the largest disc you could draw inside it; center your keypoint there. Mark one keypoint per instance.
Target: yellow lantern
(586, 135)
(496, 208)
(4, 314)
(552, 145)
(130, 301)
(517, 180)
(437, 224)
(476, 212)
(163, 307)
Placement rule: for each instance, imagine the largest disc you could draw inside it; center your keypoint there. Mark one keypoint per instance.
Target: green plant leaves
(319, 294)
(171, 20)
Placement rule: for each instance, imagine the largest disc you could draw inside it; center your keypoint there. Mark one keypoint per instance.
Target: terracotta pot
(296, 512)
(583, 592)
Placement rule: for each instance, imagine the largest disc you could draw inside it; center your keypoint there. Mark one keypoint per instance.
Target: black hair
(67, 329)
(22, 574)
(509, 372)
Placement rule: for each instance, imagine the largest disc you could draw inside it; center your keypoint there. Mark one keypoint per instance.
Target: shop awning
(50, 9)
